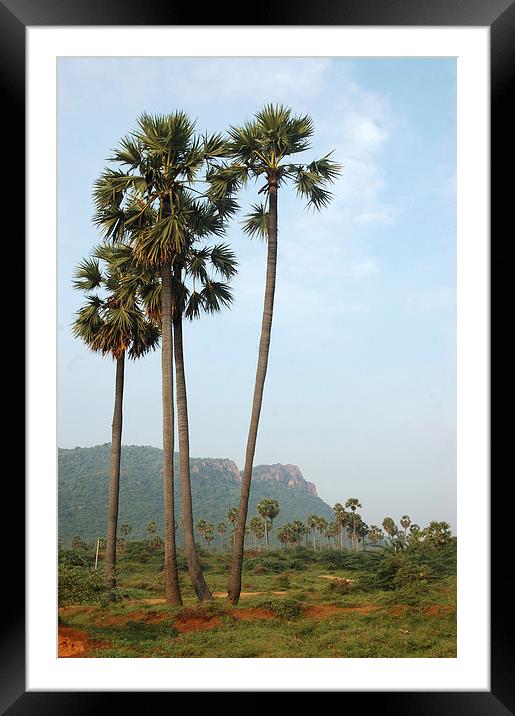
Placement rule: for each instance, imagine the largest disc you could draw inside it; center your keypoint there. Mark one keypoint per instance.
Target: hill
(83, 482)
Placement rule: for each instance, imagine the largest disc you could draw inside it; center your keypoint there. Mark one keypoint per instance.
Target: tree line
(317, 531)
(161, 207)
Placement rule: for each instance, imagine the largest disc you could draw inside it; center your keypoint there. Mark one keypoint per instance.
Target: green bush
(281, 581)
(79, 585)
(285, 608)
(338, 586)
(76, 558)
(343, 559)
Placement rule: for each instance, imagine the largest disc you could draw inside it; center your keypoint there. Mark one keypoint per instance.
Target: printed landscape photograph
(257, 344)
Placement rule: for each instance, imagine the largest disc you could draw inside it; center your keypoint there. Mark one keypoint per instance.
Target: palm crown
(263, 148)
(111, 322)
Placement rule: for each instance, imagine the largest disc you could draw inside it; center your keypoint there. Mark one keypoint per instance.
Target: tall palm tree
(263, 149)
(118, 328)
(268, 509)
(153, 201)
(200, 265)
(353, 503)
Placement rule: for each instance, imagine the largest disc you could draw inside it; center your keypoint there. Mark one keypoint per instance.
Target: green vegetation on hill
(83, 484)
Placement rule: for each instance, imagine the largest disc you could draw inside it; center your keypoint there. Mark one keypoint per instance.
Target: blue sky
(361, 387)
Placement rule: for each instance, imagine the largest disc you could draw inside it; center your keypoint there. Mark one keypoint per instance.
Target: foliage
(285, 608)
(79, 584)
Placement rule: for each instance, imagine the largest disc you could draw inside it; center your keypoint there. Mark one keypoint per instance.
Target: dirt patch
(149, 617)
(398, 610)
(194, 619)
(75, 609)
(437, 610)
(73, 643)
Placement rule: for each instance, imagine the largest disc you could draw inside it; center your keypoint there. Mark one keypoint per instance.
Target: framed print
(79, 79)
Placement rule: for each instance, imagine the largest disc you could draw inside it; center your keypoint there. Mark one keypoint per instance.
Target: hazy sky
(361, 385)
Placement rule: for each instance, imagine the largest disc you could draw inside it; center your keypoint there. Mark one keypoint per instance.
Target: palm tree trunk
(194, 568)
(172, 590)
(234, 586)
(114, 476)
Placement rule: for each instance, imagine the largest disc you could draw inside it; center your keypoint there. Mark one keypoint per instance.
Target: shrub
(282, 581)
(79, 585)
(286, 608)
(339, 586)
(75, 558)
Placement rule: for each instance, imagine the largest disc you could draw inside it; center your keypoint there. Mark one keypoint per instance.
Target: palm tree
(353, 503)
(257, 527)
(221, 528)
(312, 524)
(155, 204)
(151, 528)
(125, 530)
(390, 528)
(268, 509)
(199, 265)
(342, 519)
(262, 149)
(115, 327)
(405, 523)
(322, 525)
(209, 535)
(232, 516)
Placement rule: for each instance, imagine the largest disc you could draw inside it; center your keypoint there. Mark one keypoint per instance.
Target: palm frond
(256, 222)
(88, 275)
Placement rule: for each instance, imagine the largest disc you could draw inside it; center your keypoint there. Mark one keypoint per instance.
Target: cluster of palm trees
(161, 208)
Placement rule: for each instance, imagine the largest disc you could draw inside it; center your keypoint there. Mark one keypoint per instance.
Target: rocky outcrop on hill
(289, 475)
(206, 466)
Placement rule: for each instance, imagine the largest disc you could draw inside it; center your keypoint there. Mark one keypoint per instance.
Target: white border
(470, 671)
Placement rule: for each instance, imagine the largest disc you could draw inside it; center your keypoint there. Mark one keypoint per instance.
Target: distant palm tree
(125, 530)
(405, 523)
(262, 149)
(390, 528)
(313, 524)
(232, 516)
(353, 503)
(257, 527)
(221, 528)
(342, 519)
(151, 528)
(268, 509)
(112, 326)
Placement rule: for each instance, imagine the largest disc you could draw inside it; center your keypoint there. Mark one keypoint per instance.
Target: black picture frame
(499, 16)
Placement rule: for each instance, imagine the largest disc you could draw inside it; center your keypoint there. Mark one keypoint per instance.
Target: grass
(309, 618)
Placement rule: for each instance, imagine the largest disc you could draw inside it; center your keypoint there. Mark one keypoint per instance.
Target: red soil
(436, 610)
(141, 615)
(73, 643)
(192, 619)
